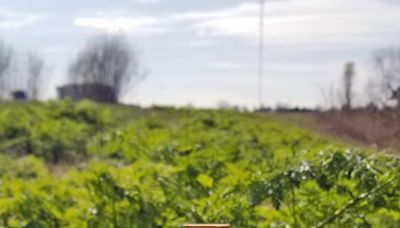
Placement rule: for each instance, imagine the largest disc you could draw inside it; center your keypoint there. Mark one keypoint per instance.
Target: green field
(85, 165)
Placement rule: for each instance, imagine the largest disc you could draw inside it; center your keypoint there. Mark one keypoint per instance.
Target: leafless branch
(107, 60)
(6, 54)
(35, 65)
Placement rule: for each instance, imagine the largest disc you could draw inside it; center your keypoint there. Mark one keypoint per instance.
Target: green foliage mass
(165, 167)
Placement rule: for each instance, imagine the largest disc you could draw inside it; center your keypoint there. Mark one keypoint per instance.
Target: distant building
(91, 91)
(19, 95)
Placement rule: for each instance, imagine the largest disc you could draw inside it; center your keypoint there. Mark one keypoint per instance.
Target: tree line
(15, 77)
(382, 89)
(108, 60)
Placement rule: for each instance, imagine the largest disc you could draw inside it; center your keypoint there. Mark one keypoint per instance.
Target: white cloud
(10, 19)
(117, 23)
(311, 21)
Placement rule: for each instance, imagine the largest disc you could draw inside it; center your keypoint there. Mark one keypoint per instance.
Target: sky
(205, 52)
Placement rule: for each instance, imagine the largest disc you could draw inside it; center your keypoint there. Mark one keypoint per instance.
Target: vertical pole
(261, 54)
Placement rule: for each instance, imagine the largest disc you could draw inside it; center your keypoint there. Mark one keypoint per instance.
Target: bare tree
(387, 69)
(107, 60)
(348, 84)
(35, 65)
(329, 95)
(6, 54)
(374, 94)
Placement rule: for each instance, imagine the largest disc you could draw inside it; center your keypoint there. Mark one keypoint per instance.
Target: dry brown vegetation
(379, 129)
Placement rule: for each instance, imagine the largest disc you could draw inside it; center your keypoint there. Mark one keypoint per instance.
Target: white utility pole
(261, 54)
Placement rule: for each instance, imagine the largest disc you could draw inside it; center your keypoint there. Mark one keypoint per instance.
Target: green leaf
(205, 180)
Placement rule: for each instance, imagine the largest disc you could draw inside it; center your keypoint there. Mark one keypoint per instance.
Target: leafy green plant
(170, 166)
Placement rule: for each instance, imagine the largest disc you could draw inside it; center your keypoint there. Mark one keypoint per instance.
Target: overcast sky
(204, 52)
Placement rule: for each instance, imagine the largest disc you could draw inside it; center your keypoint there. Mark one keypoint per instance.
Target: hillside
(163, 167)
